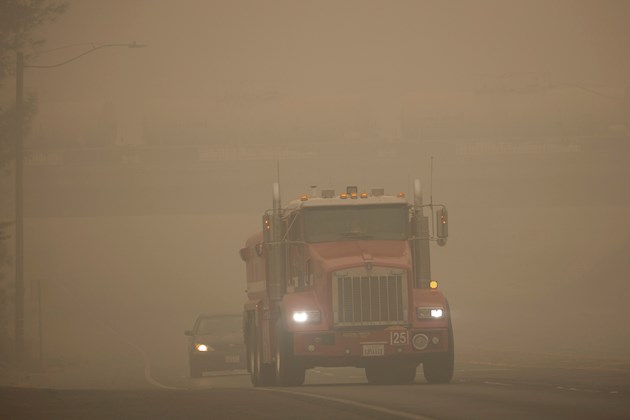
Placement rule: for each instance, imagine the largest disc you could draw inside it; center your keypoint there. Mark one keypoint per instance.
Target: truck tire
(404, 372)
(438, 368)
(251, 355)
(376, 374)
(391, 373)
(288, 371)
(261, 374)
(248, 346)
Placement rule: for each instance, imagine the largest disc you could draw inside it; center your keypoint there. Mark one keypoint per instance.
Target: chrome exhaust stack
(276, 248)
(420, 240)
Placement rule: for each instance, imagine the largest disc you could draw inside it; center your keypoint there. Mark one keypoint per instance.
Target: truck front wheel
(288, 371)
(261, 374)
(405, 373)
(438, 368)
(391, 373)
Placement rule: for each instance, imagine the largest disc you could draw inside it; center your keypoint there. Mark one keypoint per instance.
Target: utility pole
(19, 214)
(39, 325)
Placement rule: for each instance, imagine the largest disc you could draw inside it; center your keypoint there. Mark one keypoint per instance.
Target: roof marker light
(303, 197)
(343, 195)
(433, 284)
(401, 195)
(364, 195)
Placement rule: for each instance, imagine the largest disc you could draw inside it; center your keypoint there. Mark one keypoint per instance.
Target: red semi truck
(345, 280)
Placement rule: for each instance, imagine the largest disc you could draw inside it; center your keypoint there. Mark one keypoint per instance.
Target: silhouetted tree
(5, 288)
(18, 20)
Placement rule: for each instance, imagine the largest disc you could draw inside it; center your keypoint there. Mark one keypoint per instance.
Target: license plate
(373, 350)
(233, 358)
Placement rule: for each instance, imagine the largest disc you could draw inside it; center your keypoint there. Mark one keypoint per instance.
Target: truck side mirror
(245, 254)
(442, 223)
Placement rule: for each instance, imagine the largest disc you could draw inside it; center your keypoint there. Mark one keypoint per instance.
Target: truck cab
(344, 280)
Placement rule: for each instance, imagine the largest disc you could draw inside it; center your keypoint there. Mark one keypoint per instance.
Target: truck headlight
(430, 312)
(303, 317)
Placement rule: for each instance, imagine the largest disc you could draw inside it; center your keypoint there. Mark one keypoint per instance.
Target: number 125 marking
(399, 338)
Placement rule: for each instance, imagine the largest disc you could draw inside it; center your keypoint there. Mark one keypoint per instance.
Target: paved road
(20, 403)
(487, 385)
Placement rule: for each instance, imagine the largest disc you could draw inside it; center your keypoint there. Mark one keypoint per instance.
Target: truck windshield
(328, 224)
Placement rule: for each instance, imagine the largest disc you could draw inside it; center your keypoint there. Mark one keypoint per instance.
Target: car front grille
(369, 297)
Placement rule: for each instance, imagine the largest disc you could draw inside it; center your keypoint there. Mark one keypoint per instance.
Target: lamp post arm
(584, 88)
(130, 45)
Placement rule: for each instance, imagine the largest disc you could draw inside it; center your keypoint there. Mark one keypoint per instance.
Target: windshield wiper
(355, 235)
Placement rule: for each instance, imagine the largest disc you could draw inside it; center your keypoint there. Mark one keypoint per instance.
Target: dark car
(216, 343)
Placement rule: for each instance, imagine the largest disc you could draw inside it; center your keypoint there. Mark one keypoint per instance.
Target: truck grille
(375, 297)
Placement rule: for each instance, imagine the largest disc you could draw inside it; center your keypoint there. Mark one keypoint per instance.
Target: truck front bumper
(361, 347)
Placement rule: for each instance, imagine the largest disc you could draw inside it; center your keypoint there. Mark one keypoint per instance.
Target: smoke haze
(523, 106)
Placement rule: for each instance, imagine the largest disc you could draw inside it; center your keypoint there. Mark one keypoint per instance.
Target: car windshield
(219, 325)
(327, 224)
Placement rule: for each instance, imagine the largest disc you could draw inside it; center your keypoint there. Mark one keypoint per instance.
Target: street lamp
(19, 211)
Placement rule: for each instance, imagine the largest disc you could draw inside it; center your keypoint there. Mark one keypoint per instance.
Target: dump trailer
(345, 280)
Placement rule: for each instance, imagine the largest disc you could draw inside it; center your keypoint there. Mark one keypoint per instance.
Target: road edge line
(353, 403)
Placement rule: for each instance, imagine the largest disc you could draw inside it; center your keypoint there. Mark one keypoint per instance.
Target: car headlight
(203, 347)
(303, 317)
(430, 312)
